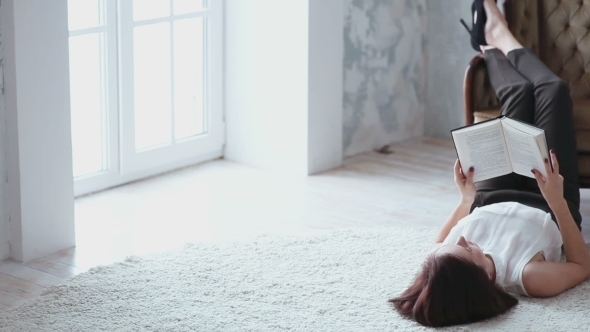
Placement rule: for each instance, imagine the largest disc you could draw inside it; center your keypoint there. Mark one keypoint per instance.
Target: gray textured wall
(449, 52)
(404, 63)
(384, 72)
(4, 225)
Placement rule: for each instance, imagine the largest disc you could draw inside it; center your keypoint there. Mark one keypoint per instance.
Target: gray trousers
(532, 93)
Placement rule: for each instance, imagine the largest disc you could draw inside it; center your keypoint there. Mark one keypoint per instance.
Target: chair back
(559, 33)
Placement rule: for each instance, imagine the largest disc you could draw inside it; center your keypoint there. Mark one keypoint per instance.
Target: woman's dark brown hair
(451, 290)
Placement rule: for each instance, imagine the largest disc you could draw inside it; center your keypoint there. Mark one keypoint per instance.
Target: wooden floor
(224, 201)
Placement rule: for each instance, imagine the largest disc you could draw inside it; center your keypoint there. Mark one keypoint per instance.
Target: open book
(501, 146)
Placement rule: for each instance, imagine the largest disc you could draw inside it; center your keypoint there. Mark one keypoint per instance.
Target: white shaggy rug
(338, 281)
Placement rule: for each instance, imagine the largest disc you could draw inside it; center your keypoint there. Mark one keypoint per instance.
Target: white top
(511, 233)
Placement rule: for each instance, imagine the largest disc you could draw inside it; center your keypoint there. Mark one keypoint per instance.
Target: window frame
(122, 163)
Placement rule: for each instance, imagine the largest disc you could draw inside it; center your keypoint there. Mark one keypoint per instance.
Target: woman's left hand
(465, 183)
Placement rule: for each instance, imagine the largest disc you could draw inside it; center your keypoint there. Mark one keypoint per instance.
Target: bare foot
(496, 26)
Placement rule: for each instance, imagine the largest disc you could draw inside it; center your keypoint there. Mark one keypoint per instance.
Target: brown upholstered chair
(558, 31)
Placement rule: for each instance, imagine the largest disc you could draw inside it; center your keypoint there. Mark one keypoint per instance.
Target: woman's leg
(553, 109)
(517, 99)
(554, 114)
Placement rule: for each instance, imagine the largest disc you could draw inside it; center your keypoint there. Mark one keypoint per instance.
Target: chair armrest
(523, 21)
(478, 94)
(468, 93)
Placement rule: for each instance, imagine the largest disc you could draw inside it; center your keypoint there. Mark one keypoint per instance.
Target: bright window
(145, 87)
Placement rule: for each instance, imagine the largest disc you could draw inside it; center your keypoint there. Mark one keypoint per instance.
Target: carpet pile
(336, 281)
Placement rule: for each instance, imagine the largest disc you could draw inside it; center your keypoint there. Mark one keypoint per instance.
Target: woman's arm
(573, 242)
(467, 189)
(548, 278)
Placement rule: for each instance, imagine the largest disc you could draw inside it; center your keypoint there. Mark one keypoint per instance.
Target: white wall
(283, 84)
(283, 101)
(325, 75)
(266, 83)
(38, 145)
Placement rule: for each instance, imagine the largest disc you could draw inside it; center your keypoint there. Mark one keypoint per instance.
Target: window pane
(188, 77)
(149, 9)
(84, 14)
(151, 47)
(87, 103)
(187, 6)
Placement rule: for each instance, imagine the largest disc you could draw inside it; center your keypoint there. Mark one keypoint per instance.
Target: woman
(506, 234)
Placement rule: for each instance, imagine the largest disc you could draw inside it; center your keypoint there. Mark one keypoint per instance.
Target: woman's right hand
(551, 186)
(465, 183)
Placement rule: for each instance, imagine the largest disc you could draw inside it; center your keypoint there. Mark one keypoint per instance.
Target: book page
(483, 147)
(542, 143)
(524, 150)
(522, 126)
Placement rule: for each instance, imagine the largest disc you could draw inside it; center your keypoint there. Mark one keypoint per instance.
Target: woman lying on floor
(511, 241)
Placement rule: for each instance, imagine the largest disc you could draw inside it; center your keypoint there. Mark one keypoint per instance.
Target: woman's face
(465, 249)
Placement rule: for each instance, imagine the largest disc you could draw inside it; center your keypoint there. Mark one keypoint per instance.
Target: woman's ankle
(510, 45)
(485, 48)
(498, 35)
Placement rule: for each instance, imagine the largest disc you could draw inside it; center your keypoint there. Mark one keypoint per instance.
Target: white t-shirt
(511, 233)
